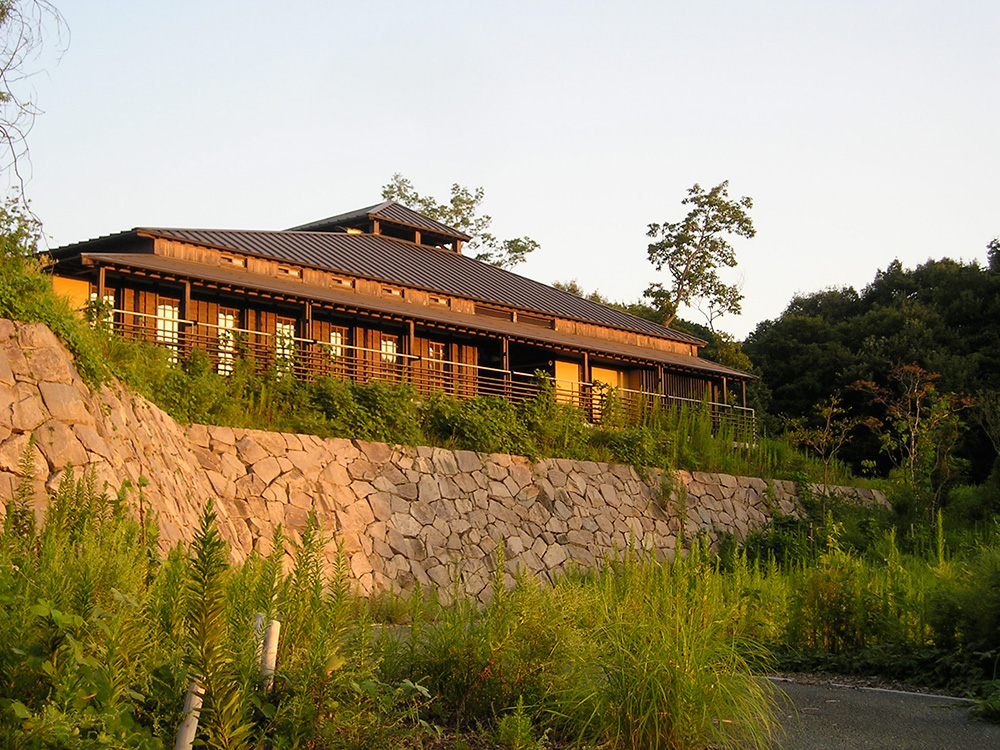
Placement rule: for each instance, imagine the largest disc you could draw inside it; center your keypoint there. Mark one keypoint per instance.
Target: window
(390, 349)
(435, 353)
(284, 344)
(338, 339)
(226, 333)
(288, 271)
(232, 260)
(168, 324)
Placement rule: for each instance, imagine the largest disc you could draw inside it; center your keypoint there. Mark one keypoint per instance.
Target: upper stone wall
(403, 514)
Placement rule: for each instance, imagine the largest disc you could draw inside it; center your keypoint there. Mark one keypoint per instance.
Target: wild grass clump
(671, 663)
(642, 654)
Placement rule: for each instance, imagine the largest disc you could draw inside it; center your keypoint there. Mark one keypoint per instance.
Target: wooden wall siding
(185, 251)
(466, 306)
(624, 337)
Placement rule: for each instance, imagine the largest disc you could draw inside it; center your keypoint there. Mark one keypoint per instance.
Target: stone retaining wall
(403, 514)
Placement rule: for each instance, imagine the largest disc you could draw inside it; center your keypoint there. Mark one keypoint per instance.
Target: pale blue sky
(864, 131)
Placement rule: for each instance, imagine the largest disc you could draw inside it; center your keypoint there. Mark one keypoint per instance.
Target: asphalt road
(824, 717)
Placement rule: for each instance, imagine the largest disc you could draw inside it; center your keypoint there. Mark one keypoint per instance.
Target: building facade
(385, 293)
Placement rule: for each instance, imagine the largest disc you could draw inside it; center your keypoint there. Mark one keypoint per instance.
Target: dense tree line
(941, 319)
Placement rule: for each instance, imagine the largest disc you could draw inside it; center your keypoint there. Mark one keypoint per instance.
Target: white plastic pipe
(270, 657)
(192, 710)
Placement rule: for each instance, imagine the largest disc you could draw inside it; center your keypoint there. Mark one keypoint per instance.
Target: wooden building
(384, 293)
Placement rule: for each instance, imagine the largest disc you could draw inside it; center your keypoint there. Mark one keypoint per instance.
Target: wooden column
(411, 346)
(505, 364)
(725, 391)
(101, 279)
(185, 326)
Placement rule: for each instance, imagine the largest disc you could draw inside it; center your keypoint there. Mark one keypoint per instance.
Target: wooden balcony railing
(308, 358)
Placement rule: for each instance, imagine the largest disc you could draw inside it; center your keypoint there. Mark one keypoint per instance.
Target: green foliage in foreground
(101, 640)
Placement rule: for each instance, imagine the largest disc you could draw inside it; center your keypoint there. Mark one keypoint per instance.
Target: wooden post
(192, 710)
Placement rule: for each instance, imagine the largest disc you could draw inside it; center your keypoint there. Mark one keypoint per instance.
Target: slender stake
(189, 724)
(270, 657)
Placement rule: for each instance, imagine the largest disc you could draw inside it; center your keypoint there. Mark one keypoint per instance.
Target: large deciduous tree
(462, 212)
(24, 25)
(695, 248)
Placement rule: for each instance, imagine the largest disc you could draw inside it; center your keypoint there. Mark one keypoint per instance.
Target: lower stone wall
(429, 515)
(403, 515)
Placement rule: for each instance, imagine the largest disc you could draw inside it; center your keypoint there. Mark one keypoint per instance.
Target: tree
(24, 25)
(833, 431)
(920, 428)
(694, 249)
(573, 287)
(462, 212)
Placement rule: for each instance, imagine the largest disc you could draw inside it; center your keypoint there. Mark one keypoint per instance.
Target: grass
(102, 640)
(102, 637)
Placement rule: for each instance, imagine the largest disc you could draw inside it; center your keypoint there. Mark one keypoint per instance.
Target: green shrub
(26, 292)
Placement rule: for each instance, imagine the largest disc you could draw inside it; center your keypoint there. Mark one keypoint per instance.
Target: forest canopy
(942, 317)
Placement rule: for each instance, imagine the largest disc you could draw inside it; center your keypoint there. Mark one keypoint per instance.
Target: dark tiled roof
(391, 211)
(407, 264)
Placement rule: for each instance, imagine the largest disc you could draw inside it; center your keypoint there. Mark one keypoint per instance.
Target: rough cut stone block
(249, 450)
(59, 445)
(267, 469)
(361, 469)
(65, 403)
(27, 412)
(335, 473)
